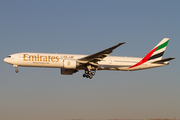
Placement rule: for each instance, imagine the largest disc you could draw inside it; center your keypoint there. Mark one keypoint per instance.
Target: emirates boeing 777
(71, 63)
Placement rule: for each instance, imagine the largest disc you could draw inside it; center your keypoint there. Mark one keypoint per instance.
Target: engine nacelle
(69, 64)
(68, 71)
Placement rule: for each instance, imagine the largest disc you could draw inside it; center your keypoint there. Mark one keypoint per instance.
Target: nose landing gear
(16, 67)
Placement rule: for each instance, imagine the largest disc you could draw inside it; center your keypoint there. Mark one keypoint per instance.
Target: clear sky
(87, 27)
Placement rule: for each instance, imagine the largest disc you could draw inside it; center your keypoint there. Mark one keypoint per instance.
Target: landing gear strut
(90, 72)
(16, 67)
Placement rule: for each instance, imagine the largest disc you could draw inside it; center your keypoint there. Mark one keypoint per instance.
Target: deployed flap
(163, 60)
(94, 58)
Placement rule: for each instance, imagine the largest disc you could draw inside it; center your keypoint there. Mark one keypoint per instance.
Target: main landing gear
(16, 67)
(88, 74)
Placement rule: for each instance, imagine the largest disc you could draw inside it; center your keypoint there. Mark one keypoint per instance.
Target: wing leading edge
(94, 58)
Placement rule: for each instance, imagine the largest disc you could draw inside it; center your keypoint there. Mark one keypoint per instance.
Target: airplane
(72, 63)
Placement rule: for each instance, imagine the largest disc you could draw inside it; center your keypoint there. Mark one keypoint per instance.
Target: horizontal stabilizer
(163, 60)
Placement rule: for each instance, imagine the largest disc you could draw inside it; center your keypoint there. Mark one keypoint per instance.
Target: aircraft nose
(5, 59)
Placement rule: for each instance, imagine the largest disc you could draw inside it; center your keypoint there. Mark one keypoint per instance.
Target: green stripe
(162, 45)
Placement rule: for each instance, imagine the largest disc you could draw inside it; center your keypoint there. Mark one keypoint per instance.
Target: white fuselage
(57, 61)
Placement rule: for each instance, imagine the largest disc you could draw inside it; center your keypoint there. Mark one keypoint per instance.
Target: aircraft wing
(94, 58)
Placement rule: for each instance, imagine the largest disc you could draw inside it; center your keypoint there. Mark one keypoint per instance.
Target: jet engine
(68, 71)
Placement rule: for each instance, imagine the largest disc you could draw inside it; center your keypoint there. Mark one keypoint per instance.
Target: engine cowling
(70, 64)
(68, 71)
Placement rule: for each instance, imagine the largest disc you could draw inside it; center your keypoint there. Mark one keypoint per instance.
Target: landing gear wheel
(17, 71)
(84, 75)
(93, 73)
(87, 76)
(86, 72)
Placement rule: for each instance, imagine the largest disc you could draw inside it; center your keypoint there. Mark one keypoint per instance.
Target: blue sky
(87, 27)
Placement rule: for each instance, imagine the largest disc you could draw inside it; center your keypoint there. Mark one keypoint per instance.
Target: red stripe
(145, 59)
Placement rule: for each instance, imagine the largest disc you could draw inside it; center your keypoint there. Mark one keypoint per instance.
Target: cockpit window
(9, 56)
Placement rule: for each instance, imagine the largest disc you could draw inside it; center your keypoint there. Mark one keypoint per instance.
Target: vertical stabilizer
(159, 50)
(155, 54)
